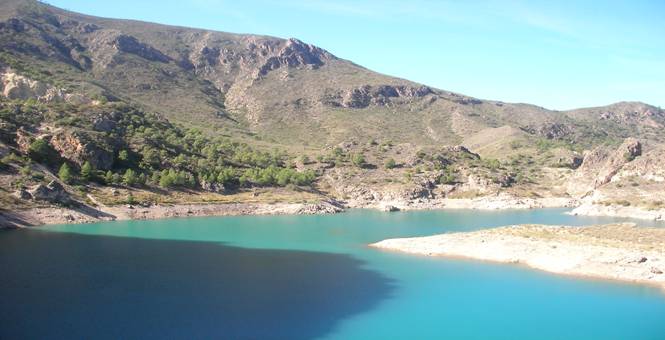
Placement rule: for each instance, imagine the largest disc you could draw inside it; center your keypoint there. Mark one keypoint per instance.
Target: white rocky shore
(498, 202)
(84, 214)
(588, 209)
(618, 251)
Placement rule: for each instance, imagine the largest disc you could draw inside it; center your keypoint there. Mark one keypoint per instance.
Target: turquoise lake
(302, 277)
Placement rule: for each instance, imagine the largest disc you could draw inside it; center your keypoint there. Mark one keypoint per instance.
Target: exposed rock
(600, 165)
(107, 46)
(325, 207)
(213, 187)
(549, 130)
(389, 208)
(54, 192)
(78, 148)
(364, 96)
(129, 44)
(16, 86)
(103, 124)
(23, 140)
(294, 53)
(572, 161)
(22, 194)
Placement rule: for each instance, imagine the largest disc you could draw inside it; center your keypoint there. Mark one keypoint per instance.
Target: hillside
(218, 109)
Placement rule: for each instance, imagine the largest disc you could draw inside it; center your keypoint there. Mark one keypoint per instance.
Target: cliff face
(601, 165)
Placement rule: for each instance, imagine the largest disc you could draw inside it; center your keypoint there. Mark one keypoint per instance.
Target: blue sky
(556, 54)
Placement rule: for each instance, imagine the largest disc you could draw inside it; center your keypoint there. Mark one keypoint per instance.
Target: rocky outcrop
(364, 96)
(294, 53)
(53, 192)
(23, 140)
(600, 165)
(79, 148)
(549, 130)
(324, 207)
(129, 44)
(254, 57)
(16, 86)
(213, 187)
(107, 47)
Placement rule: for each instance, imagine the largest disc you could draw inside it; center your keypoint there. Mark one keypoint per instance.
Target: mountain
(215, 108)
(281, 91)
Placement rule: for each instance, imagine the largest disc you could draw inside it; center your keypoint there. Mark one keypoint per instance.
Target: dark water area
(65, 285)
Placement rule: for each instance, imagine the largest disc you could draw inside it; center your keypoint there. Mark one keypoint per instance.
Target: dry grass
(624, 235)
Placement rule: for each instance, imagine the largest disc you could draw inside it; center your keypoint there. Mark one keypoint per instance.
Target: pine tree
(108, 178)
(129, 179)
(65, 173)
(86, 171)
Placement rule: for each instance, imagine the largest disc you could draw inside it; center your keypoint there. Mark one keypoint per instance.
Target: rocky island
(617, 251)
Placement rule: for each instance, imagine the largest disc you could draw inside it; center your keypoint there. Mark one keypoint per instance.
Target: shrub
(358, 160)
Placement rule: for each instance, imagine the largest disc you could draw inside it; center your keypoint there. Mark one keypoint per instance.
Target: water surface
(301, 277)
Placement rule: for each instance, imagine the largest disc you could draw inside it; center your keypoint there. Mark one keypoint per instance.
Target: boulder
(53, 192)
(22, 194)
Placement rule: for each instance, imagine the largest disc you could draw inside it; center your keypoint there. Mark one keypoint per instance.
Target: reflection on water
(58, 285)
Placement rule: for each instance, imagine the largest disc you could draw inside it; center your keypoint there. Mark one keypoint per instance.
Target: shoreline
(618, 211)
(87, 214)
(617, 252)
(80, 215)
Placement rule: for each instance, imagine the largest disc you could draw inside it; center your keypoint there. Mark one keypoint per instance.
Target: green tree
(390, 164)
(108, 177)
(65, 173)
(87, 171)
(129, 178)
(123, 155)
(40, 151)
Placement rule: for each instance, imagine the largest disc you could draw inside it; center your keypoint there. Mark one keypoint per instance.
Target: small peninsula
(615, 251)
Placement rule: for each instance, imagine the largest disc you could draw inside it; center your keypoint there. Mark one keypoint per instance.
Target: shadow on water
(60, 285)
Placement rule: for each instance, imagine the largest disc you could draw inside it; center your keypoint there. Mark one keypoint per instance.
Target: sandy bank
(618, 251)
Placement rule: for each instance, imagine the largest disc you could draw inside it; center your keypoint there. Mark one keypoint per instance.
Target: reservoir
(301, 277)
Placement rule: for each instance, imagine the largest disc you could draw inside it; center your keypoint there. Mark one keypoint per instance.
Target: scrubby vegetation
(148, 150)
